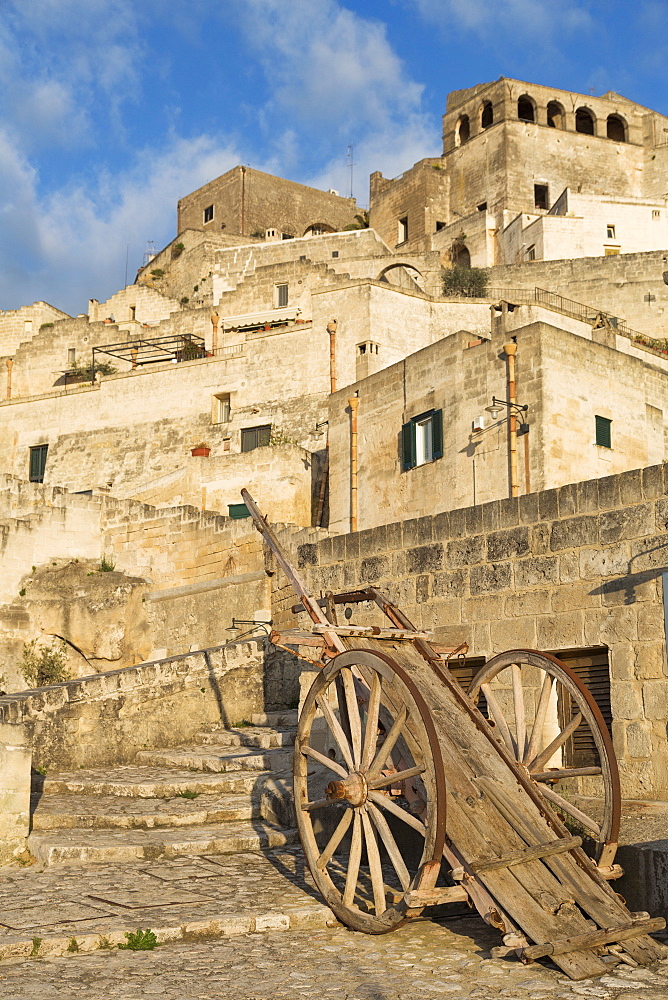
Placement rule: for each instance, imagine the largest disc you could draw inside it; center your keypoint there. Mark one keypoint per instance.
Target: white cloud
(71, 246)
(537, 20)
(336, 79)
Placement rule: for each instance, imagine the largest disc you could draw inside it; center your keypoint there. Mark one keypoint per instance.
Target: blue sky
(113, 109)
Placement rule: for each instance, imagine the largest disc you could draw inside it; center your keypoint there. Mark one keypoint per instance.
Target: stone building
(246, 202)
(530, 172)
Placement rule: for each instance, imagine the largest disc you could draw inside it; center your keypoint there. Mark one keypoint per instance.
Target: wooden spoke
(520, 715)
(319, 803)
(337, 731)
(325, 761)
(557, 773)
(396, 776)
(371, 729)
(390, 843)
(335, 839)
(389, 744)
(373, 857)
(385, 802)
(353, 861)
(539, 721)
(499, 718)
(539, 762)
(572, 810)
(354, 720)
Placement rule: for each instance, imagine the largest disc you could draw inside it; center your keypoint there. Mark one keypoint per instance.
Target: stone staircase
(226, 793)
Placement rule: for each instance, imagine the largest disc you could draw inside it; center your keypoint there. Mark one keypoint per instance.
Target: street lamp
(515, 409)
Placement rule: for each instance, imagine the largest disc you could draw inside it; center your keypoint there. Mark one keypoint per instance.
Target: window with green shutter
(603, 432)
(37, 463)
(422, 439)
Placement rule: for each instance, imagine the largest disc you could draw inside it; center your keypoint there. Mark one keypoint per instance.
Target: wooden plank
(606, 935)
(370, 631)
(435, 897)
(520, 857)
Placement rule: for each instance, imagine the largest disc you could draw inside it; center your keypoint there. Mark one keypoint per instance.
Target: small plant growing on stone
(36, 942)
(73, 945)
(46, 664)
(184, 300)
(45, 326)
(105, 943)
(187, 794)
(139, 940)
(243, 724)
(106, 565)
(22, 592)
(157, 272)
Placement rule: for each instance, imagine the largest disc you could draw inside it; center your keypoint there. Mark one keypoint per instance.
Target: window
(603, 435)
(222, 408)
(133, 312)
(38, 463)
(71, 356)
(555, 115)
(281, 296)
(402, 230)
(463, 130)
(208, 214)
(287, 236)
(335, 253)
(482, 207)
(610, 251)
(615, 128)
(530, 253)
(611, 232)
(541, 196)
(525, 109)
(487, 116)
(255, 437)
(422, 439)
(656, 213)
(439, 226)
(584, 121)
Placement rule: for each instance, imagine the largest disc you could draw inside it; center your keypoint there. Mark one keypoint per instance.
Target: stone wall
(619, 285)
(562, 377)
(247, 201)
(20, 325)
(570, 568)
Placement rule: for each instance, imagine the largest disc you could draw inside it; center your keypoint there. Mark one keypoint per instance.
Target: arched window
(487, 116)
(526, 111)
(460, 255)
(616, 128)
(463, 130)
(584, 121)
(555, 115)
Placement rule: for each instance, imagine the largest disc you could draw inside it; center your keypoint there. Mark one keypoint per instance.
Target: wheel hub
(353, 789)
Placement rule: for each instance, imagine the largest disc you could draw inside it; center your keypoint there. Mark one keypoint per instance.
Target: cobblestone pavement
(421, 960)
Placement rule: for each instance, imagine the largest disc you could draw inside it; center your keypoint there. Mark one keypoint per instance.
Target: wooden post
(331, 330)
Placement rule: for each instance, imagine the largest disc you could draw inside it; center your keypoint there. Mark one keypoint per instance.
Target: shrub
(157, 272)
(46, 664)
(460, 280)
(139, 941)
(106, 565)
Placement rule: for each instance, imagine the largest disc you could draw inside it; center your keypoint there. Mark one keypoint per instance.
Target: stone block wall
(571, 568)
(20, 325)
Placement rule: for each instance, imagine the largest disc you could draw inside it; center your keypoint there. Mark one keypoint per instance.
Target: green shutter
(603, 436)
(408, 445)
(38, 463)
(437, 434)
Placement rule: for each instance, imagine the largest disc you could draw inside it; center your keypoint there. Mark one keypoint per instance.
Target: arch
(585, 121)
(615, 128)
(555, 114)
(403, 274)
(460, 254)
(487, 115)
(526, 108)
(318, 229)
(462, 130)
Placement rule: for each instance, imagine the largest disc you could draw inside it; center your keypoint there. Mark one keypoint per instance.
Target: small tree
(45, 664)
(361, 221)
(460, 280)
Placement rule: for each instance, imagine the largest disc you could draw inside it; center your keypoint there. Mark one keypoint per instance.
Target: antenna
(149, 252)
(351, 165)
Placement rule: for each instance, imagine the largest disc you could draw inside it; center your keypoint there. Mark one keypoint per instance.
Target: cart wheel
(376, 777)
(550, 722)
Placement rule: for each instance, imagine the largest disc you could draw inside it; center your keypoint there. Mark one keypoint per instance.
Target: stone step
(85, 846)
(251, 736)
(218, 759)
(288, 717)
(130, 781)
(99, 812)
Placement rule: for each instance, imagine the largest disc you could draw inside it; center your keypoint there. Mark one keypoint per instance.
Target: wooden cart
(410, 791)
